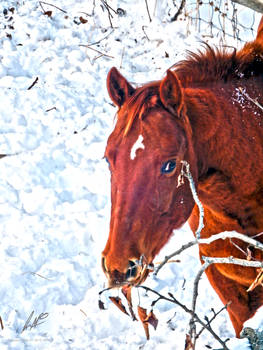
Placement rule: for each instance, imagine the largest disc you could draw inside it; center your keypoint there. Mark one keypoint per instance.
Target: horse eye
(168, 167)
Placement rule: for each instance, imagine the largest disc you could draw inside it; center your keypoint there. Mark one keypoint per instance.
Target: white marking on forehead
(138, 145)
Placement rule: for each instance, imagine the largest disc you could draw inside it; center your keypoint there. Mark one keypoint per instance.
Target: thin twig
(147, 7)
(231, 260)
(108, 8)
(178, 13)
(34, 83)
(232, 234)
(83, 312)
(99, 41)
(222, 235)
(51, 109)
(177, 252)
(99, 52)
(145, 33)
(37, 274)
(46, 3)
(172, 299)
(209, 261)
(1, 323)
(185, 172)
(213, 318)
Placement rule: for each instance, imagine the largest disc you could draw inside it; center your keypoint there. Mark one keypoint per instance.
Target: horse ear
(171, 93)
(118, 87)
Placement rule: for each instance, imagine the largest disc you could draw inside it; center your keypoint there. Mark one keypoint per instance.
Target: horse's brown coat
(201, 112)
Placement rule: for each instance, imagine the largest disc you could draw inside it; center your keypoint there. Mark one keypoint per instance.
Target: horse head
(151, 138)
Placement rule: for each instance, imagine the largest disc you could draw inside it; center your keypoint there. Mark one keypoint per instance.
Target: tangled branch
(185, 172)
(196, 318)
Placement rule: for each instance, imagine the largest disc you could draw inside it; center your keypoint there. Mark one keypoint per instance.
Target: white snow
(256, 321)
(137, 145)
(55, 186)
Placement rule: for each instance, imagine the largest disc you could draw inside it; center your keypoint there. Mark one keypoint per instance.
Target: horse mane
(210, 65)
(143, 99)
(220, 64)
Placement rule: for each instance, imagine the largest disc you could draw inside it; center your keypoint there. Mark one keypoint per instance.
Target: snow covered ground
(54, 189)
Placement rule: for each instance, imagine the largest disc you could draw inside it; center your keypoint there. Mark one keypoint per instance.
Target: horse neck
(221, 127)
(202, 111)
(226, 129)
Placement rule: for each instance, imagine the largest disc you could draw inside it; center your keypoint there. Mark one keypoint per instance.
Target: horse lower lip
(113, 283)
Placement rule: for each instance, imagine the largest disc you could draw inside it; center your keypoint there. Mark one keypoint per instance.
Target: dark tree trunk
(256, 5)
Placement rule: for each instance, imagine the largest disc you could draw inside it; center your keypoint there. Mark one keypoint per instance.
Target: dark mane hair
(207, 66)
(143, 99)
(214, 64)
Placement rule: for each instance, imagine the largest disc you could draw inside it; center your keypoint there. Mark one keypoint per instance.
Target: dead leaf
(188, 343)
(126, 291)
(48, 13)
(257, 282)
(152, 320)
(117, 301)
(101, 305)
(83, 20)
(143, 315)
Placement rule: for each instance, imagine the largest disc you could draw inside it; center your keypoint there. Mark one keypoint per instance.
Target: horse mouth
(136, 274)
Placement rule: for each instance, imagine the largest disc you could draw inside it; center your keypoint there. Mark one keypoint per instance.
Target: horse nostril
(132, 270)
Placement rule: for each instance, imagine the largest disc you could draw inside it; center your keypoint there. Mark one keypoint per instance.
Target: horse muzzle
(135, 274)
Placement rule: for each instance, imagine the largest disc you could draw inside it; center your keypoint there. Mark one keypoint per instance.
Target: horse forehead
(158, 132)
(137, 146)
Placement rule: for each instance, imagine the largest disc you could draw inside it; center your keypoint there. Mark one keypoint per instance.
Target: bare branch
(222, 235)
(177, 252)
(34, 83)
(179, 11)
(46, 3)
(185, 172)
(147, 7)
(231, 260)
(209, 261)
(99, 41)
(172, 299)
(109, 9)
(232, 234)
(213, 318)
(99, 52)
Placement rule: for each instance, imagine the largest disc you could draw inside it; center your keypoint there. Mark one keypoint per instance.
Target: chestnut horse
(208, 112)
